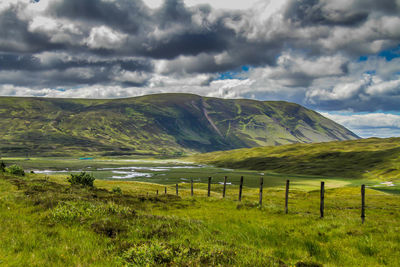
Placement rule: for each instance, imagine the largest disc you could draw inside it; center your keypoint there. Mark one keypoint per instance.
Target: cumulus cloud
(105, 37)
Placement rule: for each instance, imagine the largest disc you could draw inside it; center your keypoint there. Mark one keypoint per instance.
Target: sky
(340, 58)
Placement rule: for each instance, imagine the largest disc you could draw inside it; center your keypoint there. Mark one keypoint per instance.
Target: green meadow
(45, 221)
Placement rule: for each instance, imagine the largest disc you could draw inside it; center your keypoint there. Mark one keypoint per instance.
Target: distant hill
(155, 124)
(366, 158)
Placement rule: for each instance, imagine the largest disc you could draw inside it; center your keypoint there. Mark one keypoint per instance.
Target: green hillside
(155, 124)
(367, 158)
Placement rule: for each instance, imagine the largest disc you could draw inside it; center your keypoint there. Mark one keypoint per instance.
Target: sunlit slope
(155, 124)
(368, 158)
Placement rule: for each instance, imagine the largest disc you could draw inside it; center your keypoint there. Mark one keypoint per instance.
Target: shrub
(15, 169)
(148, 254)
(2, 167)
(117, 190)
(83, 178)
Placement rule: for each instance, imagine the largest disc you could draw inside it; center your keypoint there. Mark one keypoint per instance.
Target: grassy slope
(167, 123)
(368, 158)
(45, 222)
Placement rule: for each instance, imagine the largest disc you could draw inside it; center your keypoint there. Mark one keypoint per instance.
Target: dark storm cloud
(189, 43)
(324, 12)
(385, 6)
(173, 21)
(171, 31)
(189, 38)
(33, 63)
(311, 12)
(173, 11)
(126, 15)
(139, 22)
(15, 36)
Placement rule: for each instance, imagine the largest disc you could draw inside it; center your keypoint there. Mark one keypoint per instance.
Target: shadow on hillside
(338, 164)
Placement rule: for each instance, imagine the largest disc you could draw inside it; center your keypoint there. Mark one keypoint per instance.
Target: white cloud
(58, 30)
(105, 37)
(369, 124)
(132, 76)
(384, 87)
(153, 3)
(43, 24)
(341, 91)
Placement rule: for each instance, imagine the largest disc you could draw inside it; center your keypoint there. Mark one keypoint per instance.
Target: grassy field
(44, 221)
(367, 158)
(178, 171)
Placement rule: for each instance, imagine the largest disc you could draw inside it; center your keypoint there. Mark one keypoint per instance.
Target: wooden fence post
(322, 195)
(209, 186)
(240, 188)
(191, 187)
(363, 203)
(224, 190)
(261, 190)
(165, 190)
(287, 196)
(176, 189)
(157, 192)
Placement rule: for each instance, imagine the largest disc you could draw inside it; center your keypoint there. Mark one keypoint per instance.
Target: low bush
(159, 253)
(83, 178)
(2, 167)
(117, 190)
(15, 169)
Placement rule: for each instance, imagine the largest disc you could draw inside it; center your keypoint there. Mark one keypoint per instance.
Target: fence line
(322, 197)
(322, 194)
(209, 186)
(224, 190)
(287, 197)
(261, 190)
(363, 203)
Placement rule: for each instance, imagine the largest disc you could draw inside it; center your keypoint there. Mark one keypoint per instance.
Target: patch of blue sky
(62, 89)
(388, 54)
(370, 72)
(239, 74)
(245, 68)
(363, 58)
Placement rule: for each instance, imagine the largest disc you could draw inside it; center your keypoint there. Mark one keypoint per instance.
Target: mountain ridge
(156, 124)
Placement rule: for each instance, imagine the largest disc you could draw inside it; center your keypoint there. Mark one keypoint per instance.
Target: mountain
(155, 124)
